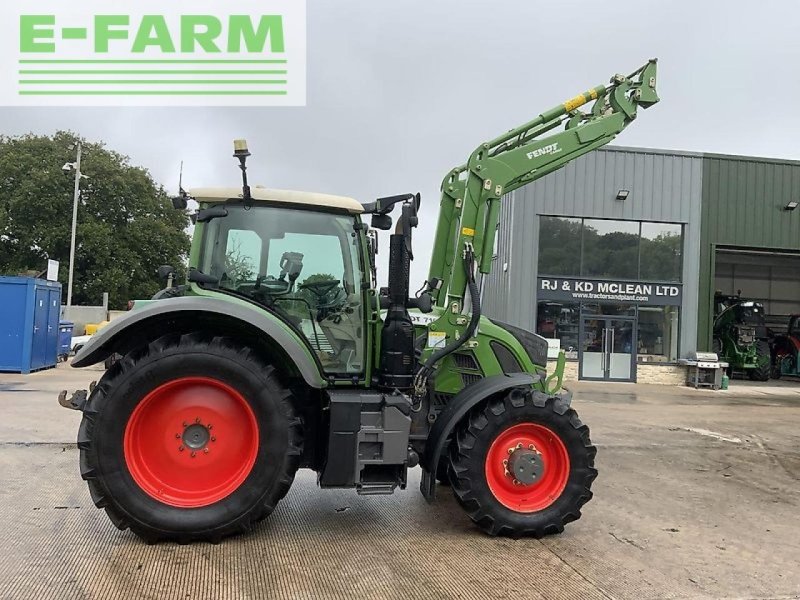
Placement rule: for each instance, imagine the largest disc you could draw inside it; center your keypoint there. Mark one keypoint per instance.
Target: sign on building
(573, 289)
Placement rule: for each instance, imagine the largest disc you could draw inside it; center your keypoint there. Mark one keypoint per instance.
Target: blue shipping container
(29, 314)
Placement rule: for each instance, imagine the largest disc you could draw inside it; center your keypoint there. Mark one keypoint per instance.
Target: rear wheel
(763, 362)
(191, 438)
(523, 464)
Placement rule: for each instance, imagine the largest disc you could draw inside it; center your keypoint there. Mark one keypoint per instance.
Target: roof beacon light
(241, 152)
(240, 148)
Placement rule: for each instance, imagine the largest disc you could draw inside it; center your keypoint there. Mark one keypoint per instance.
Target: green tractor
(741, 336)
(280, 353)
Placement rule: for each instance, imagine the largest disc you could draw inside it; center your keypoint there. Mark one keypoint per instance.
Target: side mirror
(383, 222)
(180, 202)
(164, 271)
(212, 212)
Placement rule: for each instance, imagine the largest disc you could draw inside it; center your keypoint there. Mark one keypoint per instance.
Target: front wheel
(522, 465)
(190, 438)
(763, 362)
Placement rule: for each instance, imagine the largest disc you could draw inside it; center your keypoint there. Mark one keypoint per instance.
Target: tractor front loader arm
(471, 194)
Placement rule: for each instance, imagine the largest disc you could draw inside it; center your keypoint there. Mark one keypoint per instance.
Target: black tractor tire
(196, 374)
(475, 444)
(110, 360)
(716, 347)
(764, 368)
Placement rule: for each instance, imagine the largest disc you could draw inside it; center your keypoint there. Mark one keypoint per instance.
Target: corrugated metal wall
(743, 200)
(664, 186)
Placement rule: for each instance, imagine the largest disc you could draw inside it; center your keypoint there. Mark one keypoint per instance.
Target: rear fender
(458, 408)
(255, 327)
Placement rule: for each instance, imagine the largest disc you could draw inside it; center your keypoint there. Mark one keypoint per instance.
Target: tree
(560, 246)
(239, 266)
(126, 224)
(661, 257)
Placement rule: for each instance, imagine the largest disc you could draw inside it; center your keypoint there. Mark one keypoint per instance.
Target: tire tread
(464, 464)
(91, 474)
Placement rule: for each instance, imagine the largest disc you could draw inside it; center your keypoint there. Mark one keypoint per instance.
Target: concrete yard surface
(698, 497)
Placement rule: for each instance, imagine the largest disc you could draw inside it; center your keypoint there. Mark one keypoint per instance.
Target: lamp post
(78, 176)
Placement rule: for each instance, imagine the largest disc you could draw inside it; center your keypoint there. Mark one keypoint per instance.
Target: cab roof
(262, 194)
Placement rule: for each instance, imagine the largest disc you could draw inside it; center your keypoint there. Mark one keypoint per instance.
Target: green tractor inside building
(741, 336)
(280, 352)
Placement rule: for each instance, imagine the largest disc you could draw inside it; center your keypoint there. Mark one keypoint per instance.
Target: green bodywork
(737, 329)
(468, 218)
(471, 194)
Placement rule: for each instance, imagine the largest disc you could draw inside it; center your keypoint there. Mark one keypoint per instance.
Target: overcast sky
(399, 92)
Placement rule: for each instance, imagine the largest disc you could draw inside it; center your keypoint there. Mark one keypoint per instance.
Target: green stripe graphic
(152, 93)
(149, 72)
(151, 81)
(59, 72)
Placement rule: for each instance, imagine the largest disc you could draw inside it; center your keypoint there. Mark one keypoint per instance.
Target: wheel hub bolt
(213, 439)
(180, 448)
(177, 436)
(205, 450)
(194, 453)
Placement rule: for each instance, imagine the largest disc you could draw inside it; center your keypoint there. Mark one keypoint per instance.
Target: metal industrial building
(616, 257)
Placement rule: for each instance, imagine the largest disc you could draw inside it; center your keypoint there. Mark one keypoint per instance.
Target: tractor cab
(298, 255)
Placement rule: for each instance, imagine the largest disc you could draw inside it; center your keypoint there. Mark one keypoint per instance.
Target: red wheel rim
(541, 493)
(191, 442)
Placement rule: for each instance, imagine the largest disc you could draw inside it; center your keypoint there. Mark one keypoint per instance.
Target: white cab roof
(262, 194)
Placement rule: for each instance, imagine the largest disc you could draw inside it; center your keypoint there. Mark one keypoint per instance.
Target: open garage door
(769, 276)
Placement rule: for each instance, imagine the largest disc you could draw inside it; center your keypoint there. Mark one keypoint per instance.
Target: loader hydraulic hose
(425, 372)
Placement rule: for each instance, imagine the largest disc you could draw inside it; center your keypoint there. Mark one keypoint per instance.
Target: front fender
(162, 316)
(456, 409)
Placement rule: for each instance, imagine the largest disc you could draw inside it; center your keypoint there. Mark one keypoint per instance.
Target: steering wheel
(320, 288)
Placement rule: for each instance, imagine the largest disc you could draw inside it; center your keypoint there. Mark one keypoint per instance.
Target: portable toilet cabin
(29, 315)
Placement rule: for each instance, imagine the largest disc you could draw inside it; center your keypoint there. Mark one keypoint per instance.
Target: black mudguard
(456, 409)
(109, 339)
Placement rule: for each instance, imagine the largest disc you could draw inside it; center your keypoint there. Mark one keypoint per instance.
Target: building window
(658, 333)
(661, 252)
(559, 246)
(609, 249)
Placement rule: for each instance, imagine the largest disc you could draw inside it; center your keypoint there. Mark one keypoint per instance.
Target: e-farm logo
(251, 52)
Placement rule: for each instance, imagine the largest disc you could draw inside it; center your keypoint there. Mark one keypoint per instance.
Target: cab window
(302, 265)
